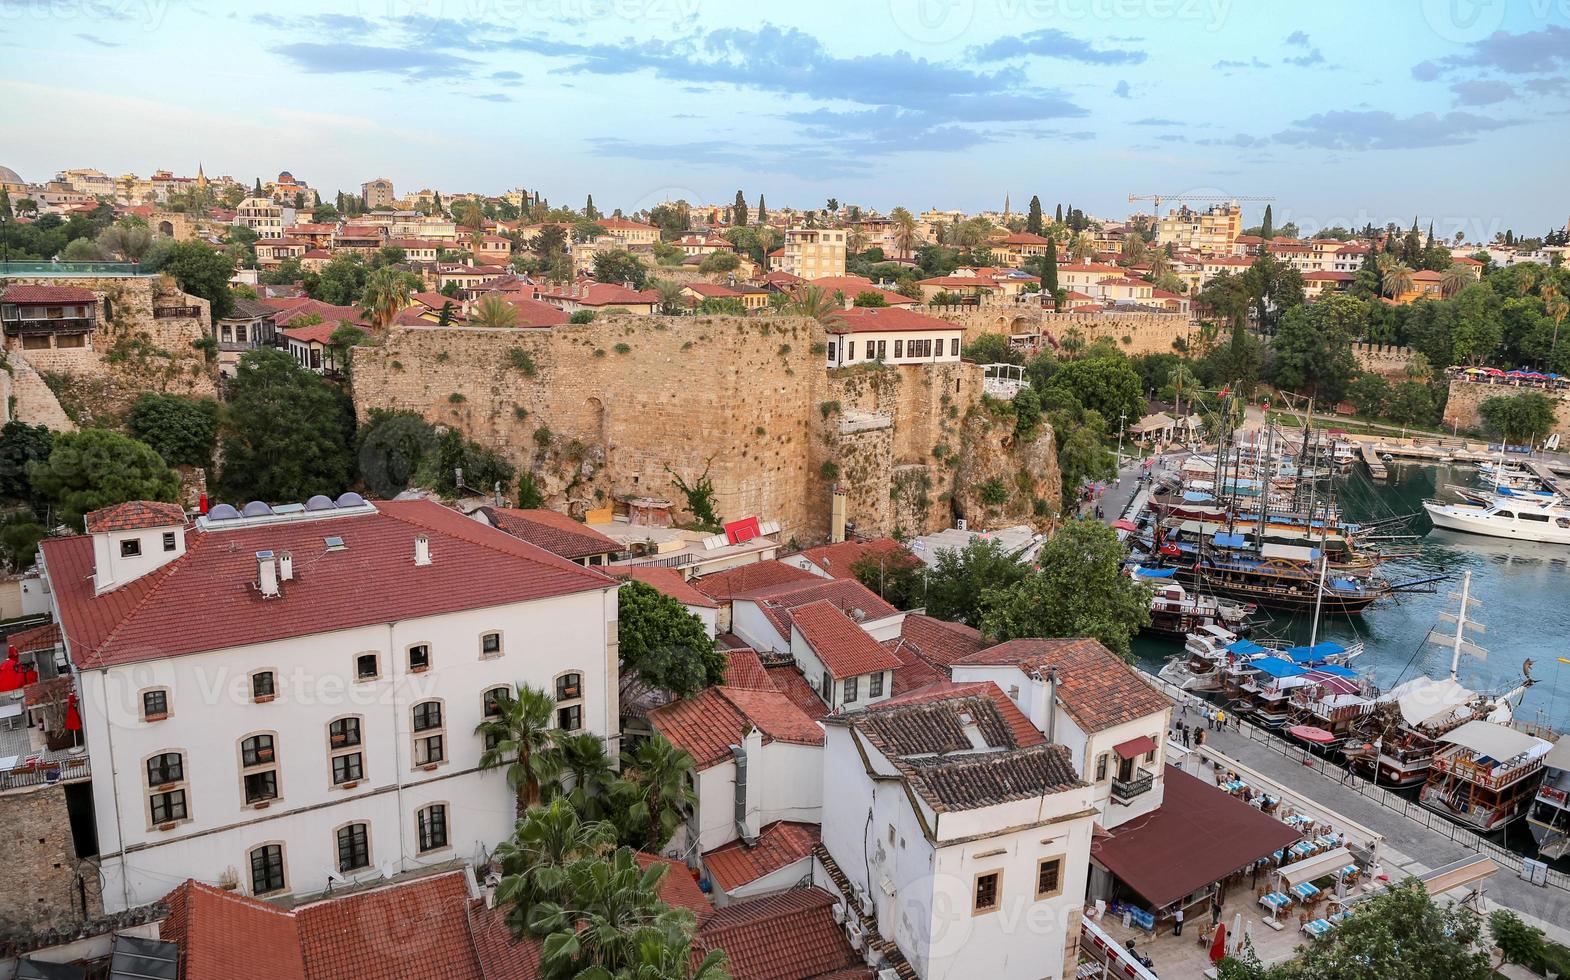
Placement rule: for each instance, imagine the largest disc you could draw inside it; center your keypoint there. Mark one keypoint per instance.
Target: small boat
(1549, 817)
(1175, 611)
(1205, 650)
(1519, 517)
(1485, 775)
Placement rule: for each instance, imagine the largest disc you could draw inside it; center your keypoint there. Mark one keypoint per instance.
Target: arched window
(166, 788)
(259, 768)
(345, 750)
(569, 701)
(430, 733)
(267, 869)
(430, 824)
(354, 847)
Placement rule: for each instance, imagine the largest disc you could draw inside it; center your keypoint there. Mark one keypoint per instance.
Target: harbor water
(1523, 591)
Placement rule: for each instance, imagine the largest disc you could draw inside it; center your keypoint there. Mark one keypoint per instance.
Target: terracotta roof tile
(790, 936)
(779, 845)
(553, 531)
(502, 956)
(849, 595)
(938, 641)
(844, 648)
(45, 637)
(416, 930)
(744, 669)
(678, 889)
(668, 581)
(47, 294)
(868, 319)
(707, 724)
(205, 923)
(913, 672)
(1096, 687)
(134, 515)
(721, 586)
(788, 681)
(206, 600)
(836, 559)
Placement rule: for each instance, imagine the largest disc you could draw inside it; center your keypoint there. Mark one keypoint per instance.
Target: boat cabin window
(1534, 517)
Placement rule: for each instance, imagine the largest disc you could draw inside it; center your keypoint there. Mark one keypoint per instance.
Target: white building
(962, 835)
(282, 699)
(1084, 697)
(892, 335)
(840, 660)
(264, 216)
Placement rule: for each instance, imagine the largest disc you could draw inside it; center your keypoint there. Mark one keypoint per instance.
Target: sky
(1343, 111)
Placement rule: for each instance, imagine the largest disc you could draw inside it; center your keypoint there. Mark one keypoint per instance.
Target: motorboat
(1516, 516)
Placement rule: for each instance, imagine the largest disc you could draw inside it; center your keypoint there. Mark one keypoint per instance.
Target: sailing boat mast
(1458, 643)
(1319, 598)
(1264, 488)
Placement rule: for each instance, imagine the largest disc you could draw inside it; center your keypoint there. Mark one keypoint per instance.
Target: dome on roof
(284, 175)
(9, 176)
(256, 508)
(351, 499)
(319, 502)
(222, 512)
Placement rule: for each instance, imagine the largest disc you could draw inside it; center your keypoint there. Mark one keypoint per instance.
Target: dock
(1551, 479)
(1376, 466)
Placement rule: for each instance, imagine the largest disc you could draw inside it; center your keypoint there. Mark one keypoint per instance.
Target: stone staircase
(886, 949)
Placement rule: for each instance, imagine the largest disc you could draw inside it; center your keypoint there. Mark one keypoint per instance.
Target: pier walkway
(1376, 468)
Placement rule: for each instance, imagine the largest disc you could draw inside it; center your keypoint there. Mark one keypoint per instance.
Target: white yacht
(1515, 516)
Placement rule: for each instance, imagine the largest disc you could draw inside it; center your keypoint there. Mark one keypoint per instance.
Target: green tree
(286, 434)
(1518, 942)
(20, 445)
(519, 738)
(1368, 393)
(1519, 419)
(1107, 385)
(959, 577)
(182, 430)
(668, 646)
(201, 271)
(719, 262)
(1079, 590)
(545, 843)
(896, 575)
(1033, 221)
(386, 291)
(1313, 346)
(992, 348)
(484, 470)
(870, 298)
(95, 468)
(1267, 227)
(1411, 403)
(392, 446)
(587, 770)
(19, 537)
(495, 312)
(620, 266)
(657, 791)
(1083, 456)
(763, 211)
(339, 282)
(738, 211)
(904, 230)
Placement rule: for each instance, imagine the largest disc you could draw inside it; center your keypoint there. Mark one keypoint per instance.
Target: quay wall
(1463, 408)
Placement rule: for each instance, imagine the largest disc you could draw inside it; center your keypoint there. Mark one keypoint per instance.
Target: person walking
(1215, 909)
(1199, 737)
(1177, 922)
(1221, 720)
(1186, 731)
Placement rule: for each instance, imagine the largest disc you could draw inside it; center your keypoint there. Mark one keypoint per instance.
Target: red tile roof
(779, 845)
(721, 586)
(502, 956)
(47, 294)
(134, 515)
(743, 668)
(678, 888)
(788, 681)
(206, 599)
(836, 559)
(551, 530)
(1021, 730)
(853, 286)
(790, 936)
(885, 319)
(314, 333)
(1096, 687)
(416, 930)
(707, 724)
(1025, 238)
(843, 647)
(45, 637)
(668, 581)
(913, 673)
(849, 595)
(206, 922)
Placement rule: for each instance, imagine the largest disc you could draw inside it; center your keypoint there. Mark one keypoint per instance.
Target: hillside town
(411, 577)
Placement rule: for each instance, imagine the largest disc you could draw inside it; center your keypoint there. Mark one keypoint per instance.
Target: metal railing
(173, 312)
(670, 561)
(1123, 790)
(73, 269)
(46, 773)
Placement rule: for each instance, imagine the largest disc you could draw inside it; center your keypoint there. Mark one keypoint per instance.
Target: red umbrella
(73, 717)
(1218, 945)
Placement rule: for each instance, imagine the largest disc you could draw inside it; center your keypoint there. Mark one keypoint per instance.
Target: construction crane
(1156, 199)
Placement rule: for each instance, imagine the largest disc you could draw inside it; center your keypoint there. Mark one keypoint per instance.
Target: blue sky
(1455, 110)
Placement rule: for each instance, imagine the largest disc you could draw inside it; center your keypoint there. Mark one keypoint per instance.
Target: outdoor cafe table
(1275, 901)
(1318, 927)
(1234, 786)
(1304, 890)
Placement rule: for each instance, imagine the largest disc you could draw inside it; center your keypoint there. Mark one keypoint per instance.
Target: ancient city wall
(39, 877)
(1462, 409)
(1386, 359)
(1134, 333)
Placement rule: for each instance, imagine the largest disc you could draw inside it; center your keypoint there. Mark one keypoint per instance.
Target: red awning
(1124, 525)
(1135, 747)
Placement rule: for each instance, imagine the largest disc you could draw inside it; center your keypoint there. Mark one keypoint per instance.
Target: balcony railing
(48, 325)
(175, 312)
(1126, 790)
(73, 269)
(38, 772)
(1461, 763)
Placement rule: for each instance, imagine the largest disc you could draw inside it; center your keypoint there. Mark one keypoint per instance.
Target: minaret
(1005, 207)
(201, 178)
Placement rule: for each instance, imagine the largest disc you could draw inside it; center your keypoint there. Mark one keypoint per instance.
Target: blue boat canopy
(1336, 670)
(1143, 572)
(1194, 496)
(1315, 653)
(1246, 648)
(1276, 667)
(1229, 540)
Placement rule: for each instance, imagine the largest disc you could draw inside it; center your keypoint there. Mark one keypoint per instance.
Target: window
(419, 657)
(155, 704)
(1101, 767)
(1151, 755)
(169, 541)
(988, 892)
(850, 350)
(850, 688)
(490, 644)
(34, 341)
(343, 749)
(883, 349)
(491, 708)
(826, 687)
(239, 332)
(166, 788)
(1049, 877)
(431, 824)
(267, 869)
(131, 548)
(875, 685)
(569, 701)
(259, 769)
(354, 847)
(833, 350)
(954, 347)
(429, 738)
(263, 686)
(365, 667)
(899, 348)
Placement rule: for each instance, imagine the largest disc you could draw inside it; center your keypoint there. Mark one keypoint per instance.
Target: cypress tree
(1060, 213)
(1267, 227)
(738, 211)
(436, 201)
(257, 190)
(1033, 221)
(588, 209)
(1049, 270)
(763, 214)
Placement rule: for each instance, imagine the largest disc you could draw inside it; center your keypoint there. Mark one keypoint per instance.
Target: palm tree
(814, 302)
(1418, 368)
(494, 311)
(1557, 307)
(1454, 279)
(1395, 276)
(519, 737)
(583, 757)
(1181, 379)
(544, 844)
(386, 292)
(1160, 263)
(470, 214)
(612, 903)
(659, 785)
(855, 240)
(672, 301)
(904, 230)
(664, 952)
(1082, 247)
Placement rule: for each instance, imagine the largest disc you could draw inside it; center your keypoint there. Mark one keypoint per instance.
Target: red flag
(1218, 945)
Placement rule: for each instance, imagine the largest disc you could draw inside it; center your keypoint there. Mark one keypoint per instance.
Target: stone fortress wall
(1386, 359)
(1462, 409)
(1134, 333)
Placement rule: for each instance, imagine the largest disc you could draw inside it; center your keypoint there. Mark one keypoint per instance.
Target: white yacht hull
(1474, 521)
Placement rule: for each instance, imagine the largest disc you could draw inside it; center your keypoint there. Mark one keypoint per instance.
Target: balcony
(1125, 791)
(20, 326)
(175, 312)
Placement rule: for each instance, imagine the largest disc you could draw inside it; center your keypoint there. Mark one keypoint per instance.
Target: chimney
(286, 567)
(748, 801)
(422, 550)
(266, 575)
(1050, 728)
(837, 516)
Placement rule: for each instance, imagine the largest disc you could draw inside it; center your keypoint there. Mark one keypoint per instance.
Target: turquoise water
(1524, 591)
